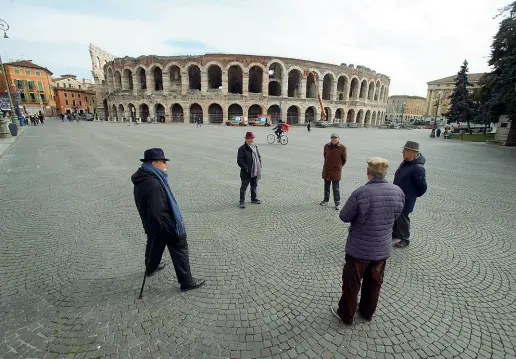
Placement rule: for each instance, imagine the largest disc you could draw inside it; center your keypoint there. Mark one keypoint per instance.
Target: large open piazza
(72, 245)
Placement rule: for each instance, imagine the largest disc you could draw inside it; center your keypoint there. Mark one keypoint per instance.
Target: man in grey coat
(371, 211)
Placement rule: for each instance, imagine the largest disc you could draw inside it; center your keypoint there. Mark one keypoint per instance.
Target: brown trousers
(354, 271)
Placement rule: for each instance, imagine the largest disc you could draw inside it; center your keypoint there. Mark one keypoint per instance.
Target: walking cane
(146, 264)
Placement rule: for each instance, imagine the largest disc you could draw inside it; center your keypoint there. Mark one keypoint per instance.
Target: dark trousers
(370, 273)
(336, 191)
(254, 185)
(178, 249)
(401, 228)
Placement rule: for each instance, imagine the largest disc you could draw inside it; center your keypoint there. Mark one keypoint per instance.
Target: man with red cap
(250, 163)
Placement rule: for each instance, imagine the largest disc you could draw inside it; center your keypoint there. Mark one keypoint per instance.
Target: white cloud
(412, 42)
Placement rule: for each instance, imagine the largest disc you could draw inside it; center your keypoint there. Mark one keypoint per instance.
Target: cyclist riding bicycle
(278, 130)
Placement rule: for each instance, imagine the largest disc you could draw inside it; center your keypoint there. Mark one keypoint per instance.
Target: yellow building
(405, 107)
(445, 87)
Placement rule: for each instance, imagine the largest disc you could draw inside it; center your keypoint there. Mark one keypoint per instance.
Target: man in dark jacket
(371, 210)
(161, 218)
(335, 157)
(250, 163)
(411, 178)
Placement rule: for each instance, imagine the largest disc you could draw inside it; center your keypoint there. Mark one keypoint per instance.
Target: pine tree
(462, 107)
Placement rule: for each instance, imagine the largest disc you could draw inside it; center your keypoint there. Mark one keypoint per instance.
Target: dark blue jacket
(411, 178)
(372, 210)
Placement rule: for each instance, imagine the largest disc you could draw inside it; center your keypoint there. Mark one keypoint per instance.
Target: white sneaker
(338, 207)
(323, 203)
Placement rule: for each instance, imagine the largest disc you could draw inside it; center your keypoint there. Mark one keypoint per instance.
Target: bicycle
(283, 139)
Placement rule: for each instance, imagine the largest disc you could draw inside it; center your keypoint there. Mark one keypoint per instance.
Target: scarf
(334, 145)
(255, 170)
(163, 180)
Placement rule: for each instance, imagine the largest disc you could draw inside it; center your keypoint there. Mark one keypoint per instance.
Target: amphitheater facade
(215, 87)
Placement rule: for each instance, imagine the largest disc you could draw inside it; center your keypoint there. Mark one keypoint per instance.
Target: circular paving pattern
(72, 249)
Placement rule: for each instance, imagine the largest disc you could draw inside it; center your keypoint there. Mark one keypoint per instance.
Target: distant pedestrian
(371, 211)
(199, 123)
(309, 126)
(250, 163)
(41, 118)
(411, 178)
(438, 132)
(161, 218)
(335, 157)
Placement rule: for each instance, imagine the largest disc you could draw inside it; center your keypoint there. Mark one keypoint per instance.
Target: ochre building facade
(216, 87)
(405, 108)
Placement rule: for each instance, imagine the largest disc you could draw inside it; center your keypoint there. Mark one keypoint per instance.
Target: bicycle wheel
(271, 138)
(284, 139)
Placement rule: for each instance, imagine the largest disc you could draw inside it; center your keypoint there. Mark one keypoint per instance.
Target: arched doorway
(194, 78)
(158, 79)
(351, 116)
(175, 78)
(128, 76)
(118, 81)
(329, 116)
(294, 84)
(367, 121)
(274, 113)
(310, 114)
(114, 111)
(342, 85)
(374, 118)
(253, 112)
(311, 91)
(144, 112)
(177, 113)
(353, 89)
(235, 110)
(235, 79)
(142, 76)
(214, 77)
(360, 117)
(196, 113)
(275, 79)
(121, 112)
(338, 114)
(159, 110)
(215, 113)
(293, 115)
(132, 111)
(327, 87)
(255, 79)
(106, 110)
(363, 90)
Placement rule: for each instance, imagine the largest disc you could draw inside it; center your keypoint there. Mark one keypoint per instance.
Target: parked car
(322, 124)
(237, 121)
(261, 120)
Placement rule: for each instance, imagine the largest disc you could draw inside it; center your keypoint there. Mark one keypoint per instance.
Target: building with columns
(216, 87)
(405, 108)
(445, 87)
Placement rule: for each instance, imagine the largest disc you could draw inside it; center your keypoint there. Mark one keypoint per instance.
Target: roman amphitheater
(215, 87)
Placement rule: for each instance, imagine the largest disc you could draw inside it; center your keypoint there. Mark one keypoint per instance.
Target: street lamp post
(4, 128)
(437, 102)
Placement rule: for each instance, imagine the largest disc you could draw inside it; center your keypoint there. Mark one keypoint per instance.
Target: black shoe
(256, 201)
(242, 205)
(195, 284)
(160, 267)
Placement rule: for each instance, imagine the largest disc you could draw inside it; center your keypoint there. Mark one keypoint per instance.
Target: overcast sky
(411, 41)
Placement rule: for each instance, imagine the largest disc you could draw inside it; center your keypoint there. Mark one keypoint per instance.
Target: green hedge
(476, 137)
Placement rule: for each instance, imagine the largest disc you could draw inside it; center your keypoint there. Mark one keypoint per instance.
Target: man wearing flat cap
(371, 211)
(411, 178)
(161, 218)
(250, 163)
(335, 157)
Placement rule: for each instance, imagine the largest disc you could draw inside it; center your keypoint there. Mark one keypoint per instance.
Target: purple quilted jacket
(372, 209)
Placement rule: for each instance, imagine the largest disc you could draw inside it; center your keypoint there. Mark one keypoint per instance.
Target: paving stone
(71, 262)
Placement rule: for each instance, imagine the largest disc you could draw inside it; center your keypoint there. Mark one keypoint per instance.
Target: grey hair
(376, 174)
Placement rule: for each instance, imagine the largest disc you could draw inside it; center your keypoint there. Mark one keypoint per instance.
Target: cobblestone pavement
(71, 249)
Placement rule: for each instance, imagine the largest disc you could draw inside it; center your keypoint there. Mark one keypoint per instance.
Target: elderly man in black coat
(161, 218)
(250, 163)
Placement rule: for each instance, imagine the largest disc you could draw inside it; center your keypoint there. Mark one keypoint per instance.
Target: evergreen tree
(498, 96)
(462, 107)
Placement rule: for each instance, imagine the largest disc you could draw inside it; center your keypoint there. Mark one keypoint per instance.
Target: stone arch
(157, 76)
(370, 94)
(118, 81)
(363, 89)
(311, 91)
(214, 72)
(295, 76)
(174, 73)
(373, 118)
(293, 115)
(110, 80)
(354, 89)
(276, 70)
(329, 113)
(127, 83)
(367, 119)
(177, 113)
(255, 79)
(327, 90)
(235, 110)
(274, 113)
(106, 109)
(114, 112)
(196, 113)
(194, 77)
(382, 89)
(132, 111)
(339, 113)
(143, 112)
(159, 112)
(350, 117)
(377, 90)
(254, 111)
(342, 87)
(215, 113)
(121, 111)
(310, 114)
(141, 76)
(360, 117)
(235, 77)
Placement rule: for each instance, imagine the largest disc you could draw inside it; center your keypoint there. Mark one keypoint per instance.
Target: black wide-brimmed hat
(154, 154)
